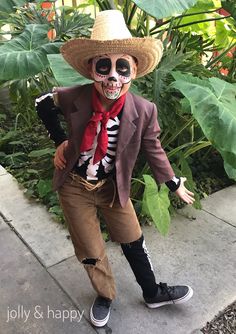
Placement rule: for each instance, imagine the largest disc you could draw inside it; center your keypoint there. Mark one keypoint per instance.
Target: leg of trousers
(80, 210)
(138, 257)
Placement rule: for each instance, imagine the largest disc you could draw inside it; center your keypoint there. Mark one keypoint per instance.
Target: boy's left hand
(183, 193)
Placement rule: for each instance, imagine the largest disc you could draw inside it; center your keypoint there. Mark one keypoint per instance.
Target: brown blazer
(139, 129)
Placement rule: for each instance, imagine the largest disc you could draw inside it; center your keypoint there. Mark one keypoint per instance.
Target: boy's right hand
(59, 159)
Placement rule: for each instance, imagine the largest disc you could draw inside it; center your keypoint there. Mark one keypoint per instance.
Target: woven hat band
(108, 27)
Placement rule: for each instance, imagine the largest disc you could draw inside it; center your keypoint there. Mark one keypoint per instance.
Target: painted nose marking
(112, 79)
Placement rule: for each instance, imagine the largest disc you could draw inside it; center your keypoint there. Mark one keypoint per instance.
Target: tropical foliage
(194, 86)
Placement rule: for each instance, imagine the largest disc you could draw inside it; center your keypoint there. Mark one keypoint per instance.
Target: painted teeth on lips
(112, 86)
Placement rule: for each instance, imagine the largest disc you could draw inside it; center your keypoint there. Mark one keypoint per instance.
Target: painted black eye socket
(123, 67)
(103, 66)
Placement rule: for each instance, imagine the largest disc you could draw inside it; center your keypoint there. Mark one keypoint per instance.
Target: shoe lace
(103, 302)
(169, 290)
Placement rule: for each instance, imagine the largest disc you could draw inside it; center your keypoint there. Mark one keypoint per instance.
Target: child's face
(112, 74)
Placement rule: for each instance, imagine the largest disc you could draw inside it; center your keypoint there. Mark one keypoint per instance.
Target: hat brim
(147, 51)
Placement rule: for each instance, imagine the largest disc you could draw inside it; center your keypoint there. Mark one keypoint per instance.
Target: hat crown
(109, 25)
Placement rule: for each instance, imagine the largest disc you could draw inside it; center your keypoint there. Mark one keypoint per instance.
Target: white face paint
(112, 74)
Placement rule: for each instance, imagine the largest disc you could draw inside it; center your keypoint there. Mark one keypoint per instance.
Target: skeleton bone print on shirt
(103, 168)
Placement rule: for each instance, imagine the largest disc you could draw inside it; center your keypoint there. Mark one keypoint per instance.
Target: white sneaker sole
(96, 322)
(176, 301)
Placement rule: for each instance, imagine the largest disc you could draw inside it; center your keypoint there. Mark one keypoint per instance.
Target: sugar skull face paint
(113, 74)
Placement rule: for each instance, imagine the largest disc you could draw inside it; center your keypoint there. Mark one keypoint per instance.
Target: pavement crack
(8, 222)
(223, 220)
(63, 260)
(5, 218)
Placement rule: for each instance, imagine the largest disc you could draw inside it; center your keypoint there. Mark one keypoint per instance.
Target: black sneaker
(100, 311)
(169, 295)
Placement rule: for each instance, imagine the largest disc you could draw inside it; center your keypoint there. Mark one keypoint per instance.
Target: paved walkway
(44, 289)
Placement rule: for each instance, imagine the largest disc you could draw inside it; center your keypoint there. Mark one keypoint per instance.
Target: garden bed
(223, 323)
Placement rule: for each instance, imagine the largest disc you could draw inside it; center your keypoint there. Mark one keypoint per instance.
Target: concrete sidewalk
(45, 290)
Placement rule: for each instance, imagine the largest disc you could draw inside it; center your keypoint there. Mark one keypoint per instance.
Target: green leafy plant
(26, 69)
(155, 204)
(64, 74)
(212, 103)
(9, 6)
(26, 55)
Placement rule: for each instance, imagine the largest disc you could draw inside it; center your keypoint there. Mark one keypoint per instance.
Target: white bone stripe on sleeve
(41, 98)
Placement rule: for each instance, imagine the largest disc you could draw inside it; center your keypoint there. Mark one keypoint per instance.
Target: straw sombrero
(110, 35)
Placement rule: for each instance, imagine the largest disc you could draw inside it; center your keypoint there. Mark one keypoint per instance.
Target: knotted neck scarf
(100, 114)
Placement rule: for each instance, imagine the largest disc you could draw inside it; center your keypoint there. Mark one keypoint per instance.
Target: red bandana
(102, 115)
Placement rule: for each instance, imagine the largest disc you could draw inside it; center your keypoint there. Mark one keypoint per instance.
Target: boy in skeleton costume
(107, 127)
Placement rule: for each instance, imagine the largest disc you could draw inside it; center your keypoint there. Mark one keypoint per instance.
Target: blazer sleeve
(49, 112)
(155, 155)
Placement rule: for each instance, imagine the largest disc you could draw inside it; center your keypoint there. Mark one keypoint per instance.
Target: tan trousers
(80, 210)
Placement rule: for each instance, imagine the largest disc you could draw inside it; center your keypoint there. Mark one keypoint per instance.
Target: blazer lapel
(127, 127)
(82, 115)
